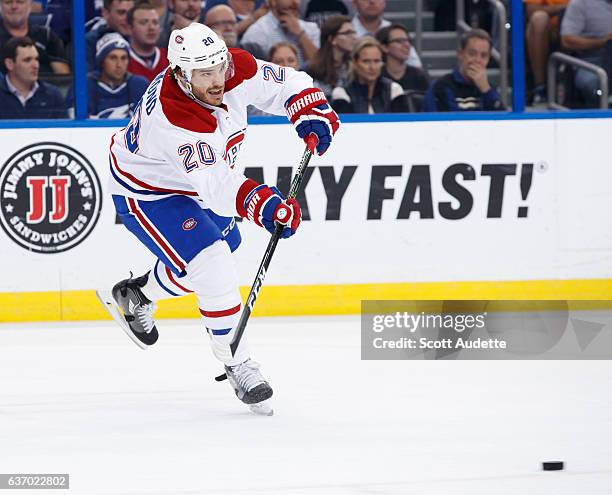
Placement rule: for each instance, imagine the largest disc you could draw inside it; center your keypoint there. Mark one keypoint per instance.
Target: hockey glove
(265, 205)
(310, 113)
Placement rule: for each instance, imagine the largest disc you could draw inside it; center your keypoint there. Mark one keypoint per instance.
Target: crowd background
(365, 62)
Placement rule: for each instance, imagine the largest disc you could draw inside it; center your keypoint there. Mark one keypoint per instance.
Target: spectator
(467, 87)
(114, 14)
(285, 54)
(318, 11)
(146, 59)
(222, 20)
(395, 41)
(282, 23)
(160, 6)
(369, 20)
(14, 24)
(368, 91)
(180, 14)
(586, 29)
(247, 11)
(113, 93)
(369, 17)
(329, 67)
(22, 95)
(542, 30)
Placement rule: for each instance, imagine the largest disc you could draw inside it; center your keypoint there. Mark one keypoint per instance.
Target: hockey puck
(552, 466)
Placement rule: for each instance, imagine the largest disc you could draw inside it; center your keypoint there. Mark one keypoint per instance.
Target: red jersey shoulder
(245, 67)
(182, 111)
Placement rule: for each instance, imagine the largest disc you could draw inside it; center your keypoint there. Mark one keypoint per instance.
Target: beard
(230, 38)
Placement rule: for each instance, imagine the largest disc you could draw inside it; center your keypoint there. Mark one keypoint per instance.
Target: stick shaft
(267, 257)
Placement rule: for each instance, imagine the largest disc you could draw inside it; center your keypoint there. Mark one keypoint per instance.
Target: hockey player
(175, 187)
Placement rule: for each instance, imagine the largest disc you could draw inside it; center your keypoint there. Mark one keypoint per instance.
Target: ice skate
(132, 310)
(250, 386)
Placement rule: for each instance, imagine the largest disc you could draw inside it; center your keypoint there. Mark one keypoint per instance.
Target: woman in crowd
(329, 68)
(285, 54)
(368, 91)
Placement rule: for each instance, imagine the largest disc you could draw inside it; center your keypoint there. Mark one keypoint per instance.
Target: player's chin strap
(220, 378)
(186, 87)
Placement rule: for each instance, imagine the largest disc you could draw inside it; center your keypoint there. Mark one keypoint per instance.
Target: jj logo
(38, 186)
(50, 197)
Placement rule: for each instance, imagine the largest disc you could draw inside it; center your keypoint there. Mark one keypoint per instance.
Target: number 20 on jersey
(196, 157)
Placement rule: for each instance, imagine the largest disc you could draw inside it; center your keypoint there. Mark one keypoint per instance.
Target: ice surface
(83, 399)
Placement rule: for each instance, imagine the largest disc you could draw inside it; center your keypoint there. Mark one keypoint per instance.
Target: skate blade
(106, 298)
(262, 409)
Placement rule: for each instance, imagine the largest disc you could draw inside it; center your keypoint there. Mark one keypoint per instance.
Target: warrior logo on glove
(265, 205)
(310, 113)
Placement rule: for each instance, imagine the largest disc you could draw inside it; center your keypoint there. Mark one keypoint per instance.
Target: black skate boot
(250, 386)
(132, 310)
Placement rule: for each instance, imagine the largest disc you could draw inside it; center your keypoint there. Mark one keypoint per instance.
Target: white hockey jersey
(175, 145)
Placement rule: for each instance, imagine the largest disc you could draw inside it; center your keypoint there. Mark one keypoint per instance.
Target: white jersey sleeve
(273, 85)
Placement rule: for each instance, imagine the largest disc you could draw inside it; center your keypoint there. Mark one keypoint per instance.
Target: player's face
(15, 12)
(476, 53)
(368, 64)
(26, 65)
(115, 65)
(145, 28)
(399, 46)
(208, 85)
(188, 8)
(116, 16)
(285, 56)
(345, 38)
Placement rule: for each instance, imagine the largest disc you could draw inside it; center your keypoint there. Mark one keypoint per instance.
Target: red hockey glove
(310, 113)
(265, 205)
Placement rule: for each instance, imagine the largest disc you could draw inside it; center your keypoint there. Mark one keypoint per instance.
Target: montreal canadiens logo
(50, 197)
(189, 224)
(179, 39)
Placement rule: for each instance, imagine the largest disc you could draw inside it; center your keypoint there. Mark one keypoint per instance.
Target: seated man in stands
(146, 59)
(369, 19)
(180, 14)
(247, 11)
(113, 93)
(542, 30)
(22, 95)
(282, 23)
(395, 42)
(222, 19)
(115, 14)
(587, 29)
(368, 91)
(14, 24)
(467, 88)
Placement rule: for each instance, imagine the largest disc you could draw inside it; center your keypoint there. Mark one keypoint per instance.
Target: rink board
(473, 209)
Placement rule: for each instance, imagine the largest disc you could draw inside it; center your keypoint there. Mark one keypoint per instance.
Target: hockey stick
(267, 257)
